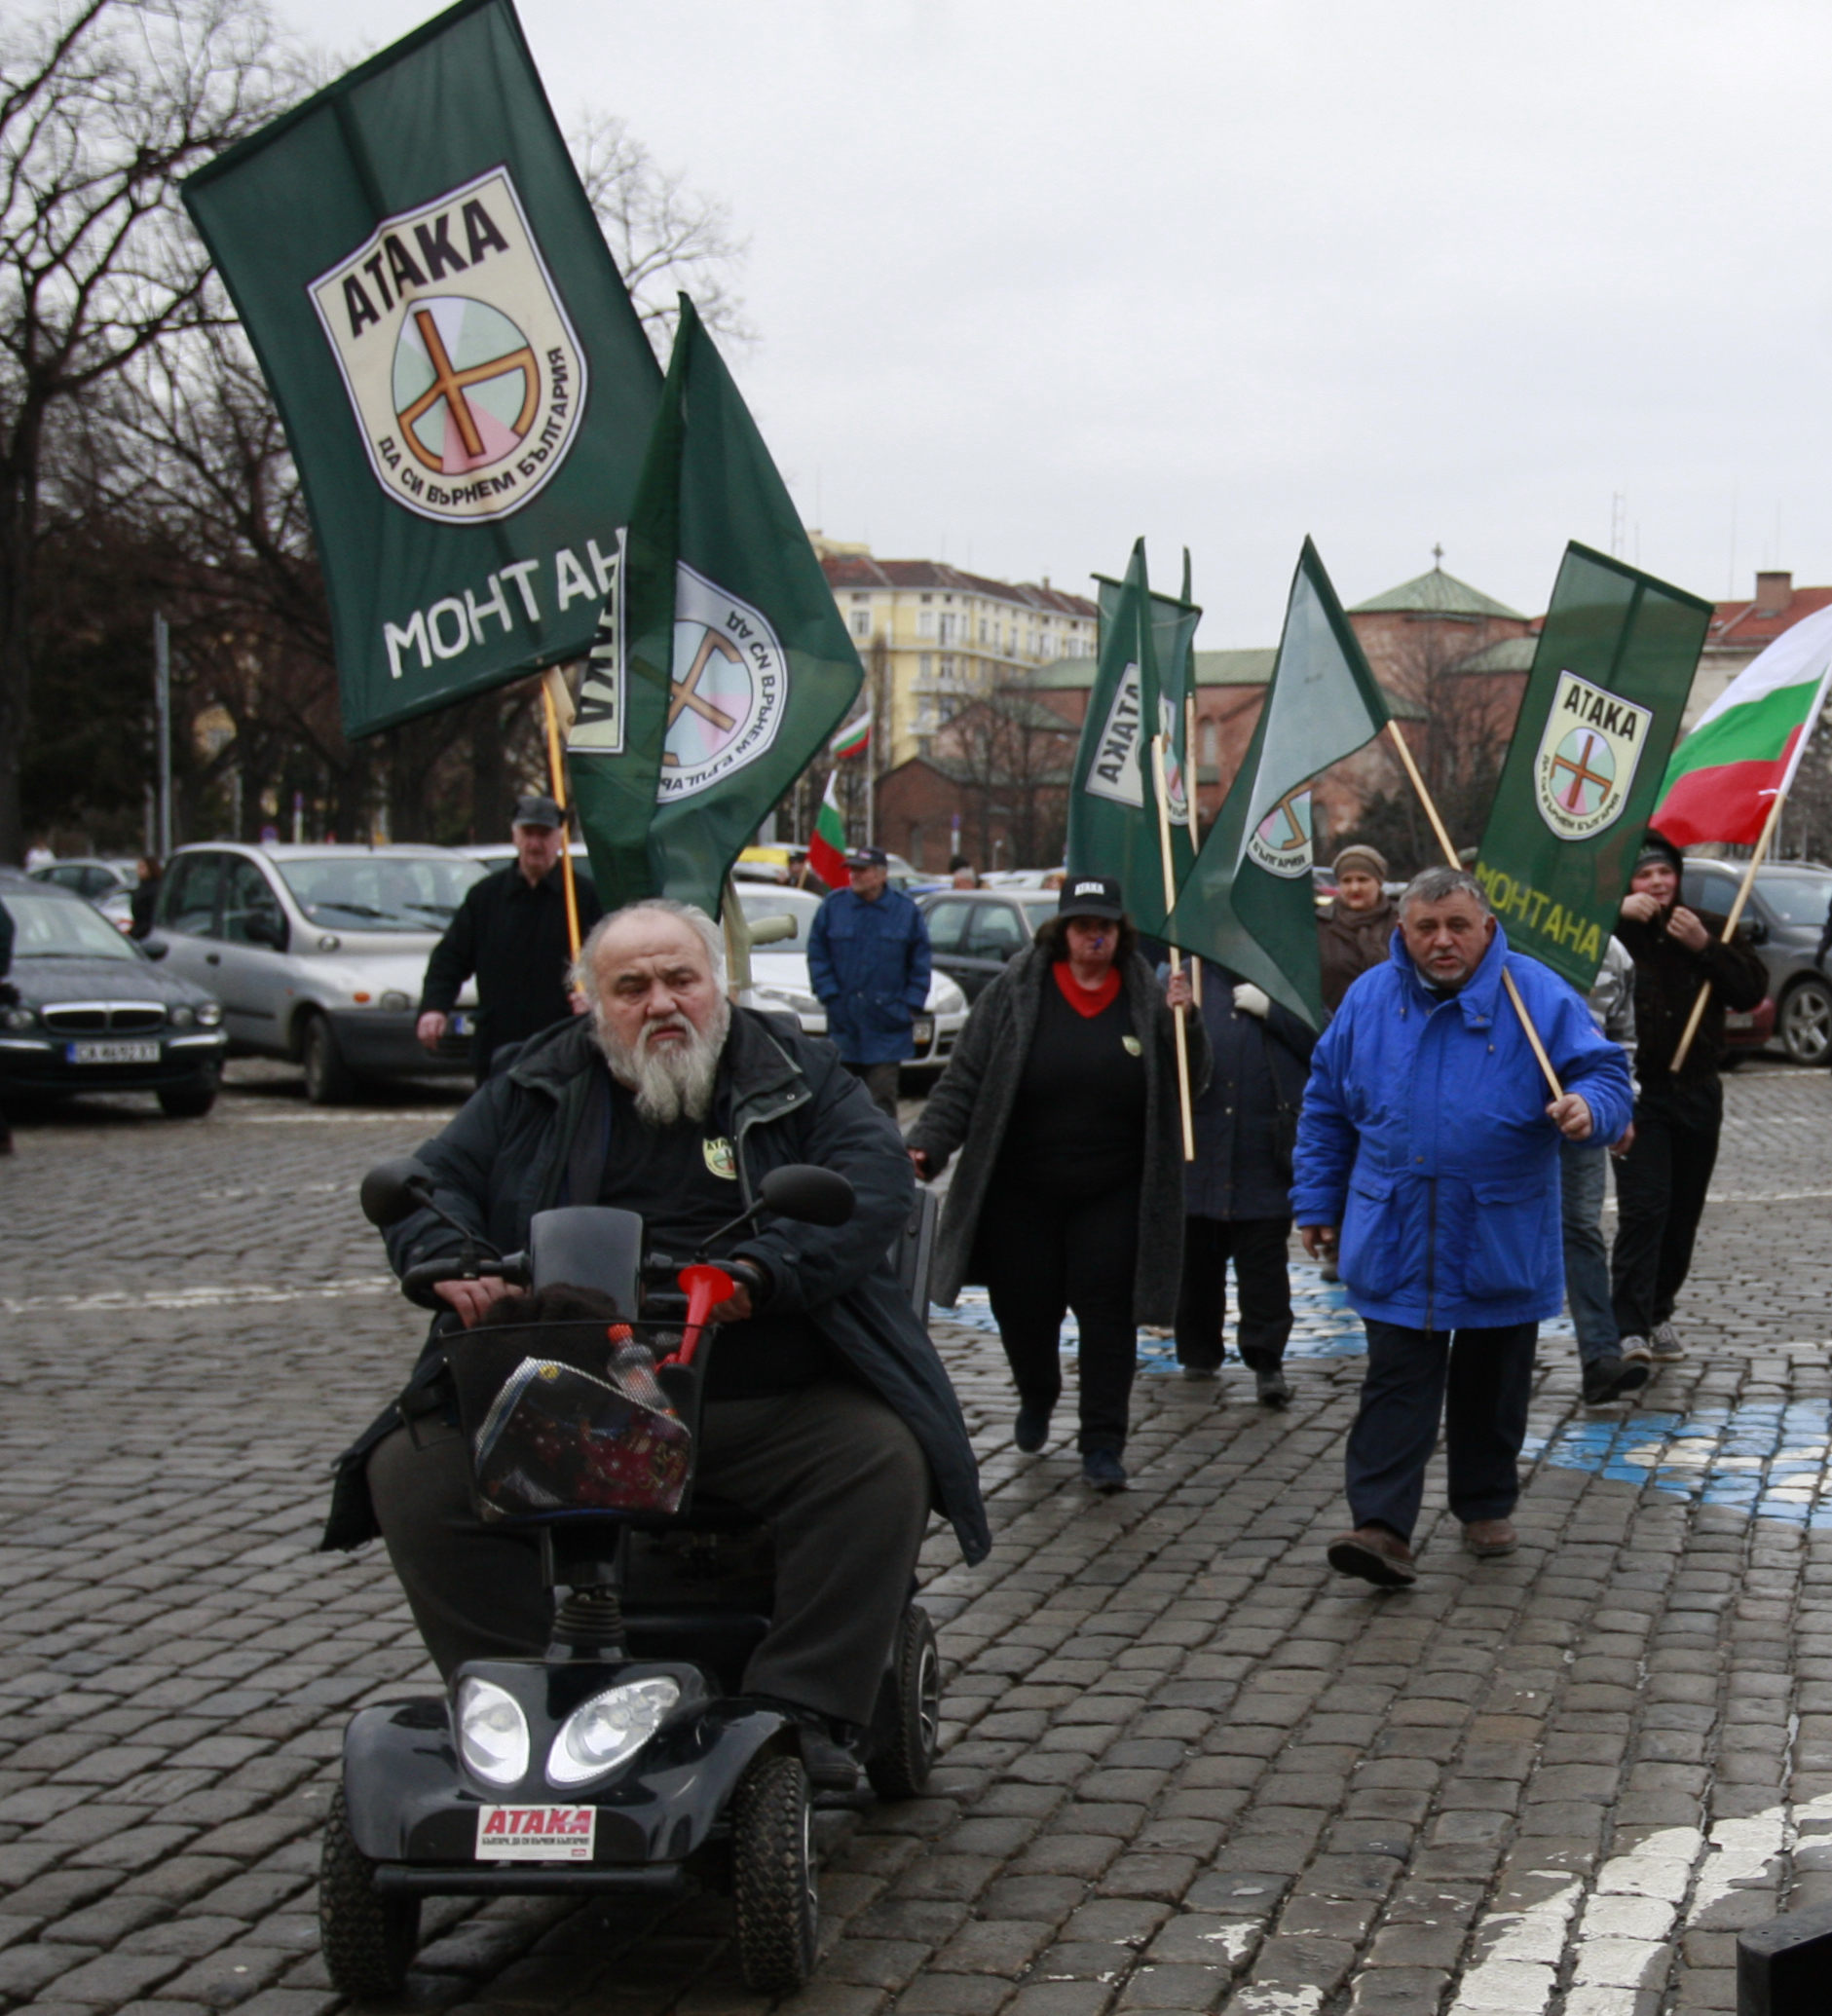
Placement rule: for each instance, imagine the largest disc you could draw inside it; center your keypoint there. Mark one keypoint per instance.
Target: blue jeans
(1481, 1381)
(1583, 1181)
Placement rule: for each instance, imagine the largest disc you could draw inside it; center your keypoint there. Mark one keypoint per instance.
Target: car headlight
(491, 1733)
(19, 1018)
(210, 1015)
(395, 1000)
(610, 1726)
(790, 1000)
(945, 997)
(181, 1016)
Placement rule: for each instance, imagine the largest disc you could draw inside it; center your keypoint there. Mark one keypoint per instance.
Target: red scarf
(1088, 1001)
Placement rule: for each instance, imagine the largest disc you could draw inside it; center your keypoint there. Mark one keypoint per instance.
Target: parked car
(96, 1014)
(1788, 911)
(973, 932)
(90, 875)
(318, 952)
(780, 980)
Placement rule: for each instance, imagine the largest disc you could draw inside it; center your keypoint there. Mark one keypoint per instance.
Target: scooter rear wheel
(904, 1753)
(773, 1830)
(368, 1941)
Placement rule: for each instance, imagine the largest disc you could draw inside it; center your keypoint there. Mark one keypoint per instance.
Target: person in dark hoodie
(1356, 932)
(1237, 1193)
(827, 1412)
(1661, 1182)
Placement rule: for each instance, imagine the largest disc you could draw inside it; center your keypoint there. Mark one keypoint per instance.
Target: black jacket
(1668, 980)
(513, 938)
(516, 1149)
(1260, 1066)
(971, 1109)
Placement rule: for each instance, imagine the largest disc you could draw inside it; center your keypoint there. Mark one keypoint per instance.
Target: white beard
(672, 1080)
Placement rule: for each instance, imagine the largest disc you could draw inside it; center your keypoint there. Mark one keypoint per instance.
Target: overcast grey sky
(1033, 279)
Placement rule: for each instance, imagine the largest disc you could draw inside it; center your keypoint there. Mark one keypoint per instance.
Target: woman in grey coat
(1062, 1097)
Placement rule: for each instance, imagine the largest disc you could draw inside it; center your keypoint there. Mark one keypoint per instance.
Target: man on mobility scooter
(826, 1413)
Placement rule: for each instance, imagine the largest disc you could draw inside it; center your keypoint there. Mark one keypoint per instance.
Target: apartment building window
(949, 626)
(925, 622)
(982, 629)
(861, 623)
(947, 669)
(925, 666)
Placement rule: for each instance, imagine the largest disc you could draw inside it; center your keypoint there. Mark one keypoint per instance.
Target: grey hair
(582, 975)
(1436, 884)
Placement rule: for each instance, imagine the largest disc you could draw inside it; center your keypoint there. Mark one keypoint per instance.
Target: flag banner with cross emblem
(1248, 903)
(1113, 799)
(1611, 672)
(721, 665)
(465, 383)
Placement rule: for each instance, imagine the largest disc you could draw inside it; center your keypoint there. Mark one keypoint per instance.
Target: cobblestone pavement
(1188, 1770)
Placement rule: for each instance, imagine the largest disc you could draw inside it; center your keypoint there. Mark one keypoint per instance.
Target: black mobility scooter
(625, 1760)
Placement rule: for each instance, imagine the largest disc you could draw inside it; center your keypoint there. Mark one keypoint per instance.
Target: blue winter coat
(1424, 1138)
(869, 963)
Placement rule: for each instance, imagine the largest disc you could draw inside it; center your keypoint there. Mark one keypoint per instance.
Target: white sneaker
(1665, 1343)
(1635, 1351)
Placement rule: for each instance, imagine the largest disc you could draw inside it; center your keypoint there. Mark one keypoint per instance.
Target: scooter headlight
(610, 1726)
(491, 1733)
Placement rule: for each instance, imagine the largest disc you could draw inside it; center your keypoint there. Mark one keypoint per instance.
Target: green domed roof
(1437, 593)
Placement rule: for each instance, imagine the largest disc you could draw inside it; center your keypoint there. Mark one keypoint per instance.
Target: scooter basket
(564, 1418)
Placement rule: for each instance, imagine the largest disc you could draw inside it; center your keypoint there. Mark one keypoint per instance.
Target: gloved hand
(1250, 1000)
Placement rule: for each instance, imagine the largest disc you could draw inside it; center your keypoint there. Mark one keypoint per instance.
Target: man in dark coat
(1237, 1198)
(1661, 1182)
(827, 1412)
(867, 959)
(510, 931)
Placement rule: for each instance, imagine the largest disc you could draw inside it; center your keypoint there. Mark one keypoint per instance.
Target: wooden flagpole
(1730, 926)
(556, 766)
(1451, 855)
(1193, 781)
(1176, 958)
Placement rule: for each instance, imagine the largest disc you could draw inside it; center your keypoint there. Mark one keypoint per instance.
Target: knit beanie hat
(1658, 848)
(1364, 860)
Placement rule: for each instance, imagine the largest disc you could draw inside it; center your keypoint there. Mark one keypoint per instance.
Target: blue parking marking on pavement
(1766, 1459)
(1323, 1326)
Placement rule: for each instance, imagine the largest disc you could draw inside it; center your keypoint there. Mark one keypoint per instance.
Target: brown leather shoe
(1376, 1556)
(1489, 1537)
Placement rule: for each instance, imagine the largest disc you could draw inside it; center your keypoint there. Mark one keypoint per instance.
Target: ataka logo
(1280, 842)
(1122, 757)
(1588, 758)
(466, 376)
(728, 688)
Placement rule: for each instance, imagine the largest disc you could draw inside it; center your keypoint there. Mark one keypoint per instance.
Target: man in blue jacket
(1427, 1140)
(867, 959)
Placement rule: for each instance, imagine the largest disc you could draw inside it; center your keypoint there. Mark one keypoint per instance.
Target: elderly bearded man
(1427, 1137)
(826, 1413)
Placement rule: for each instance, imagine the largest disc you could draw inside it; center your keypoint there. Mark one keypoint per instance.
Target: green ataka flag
(1248, 904)
(1113, 799)
(465, 383)
(1611, 672)
(724, 665)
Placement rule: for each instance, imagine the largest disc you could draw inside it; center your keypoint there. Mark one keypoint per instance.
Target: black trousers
(832, 1470)
(1041, 1256)
(1257, 1249)
(1661, 1187)
(1481, 1380)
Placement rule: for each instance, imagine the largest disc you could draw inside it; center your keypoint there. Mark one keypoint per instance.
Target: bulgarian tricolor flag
(827, 845)
(1725, 777)
(854, 739)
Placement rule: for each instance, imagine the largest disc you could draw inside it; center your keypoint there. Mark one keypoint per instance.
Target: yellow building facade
(934, 637)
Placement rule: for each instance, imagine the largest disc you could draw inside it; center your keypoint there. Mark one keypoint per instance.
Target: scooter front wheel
(773, 1843)
(368, 1941)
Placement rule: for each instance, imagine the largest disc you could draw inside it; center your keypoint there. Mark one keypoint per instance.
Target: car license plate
(457, 1025)
(536, 1833)
(924, 1030)
(1735, 1021)
(111, 1053)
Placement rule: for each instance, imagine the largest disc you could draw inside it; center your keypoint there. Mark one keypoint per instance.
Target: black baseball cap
(536, 810)
(868, 857)
(1091, 896)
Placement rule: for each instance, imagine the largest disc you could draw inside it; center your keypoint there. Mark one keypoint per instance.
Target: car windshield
(759, 901)
(1797, 898)
(380, 892)
(61, 927)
